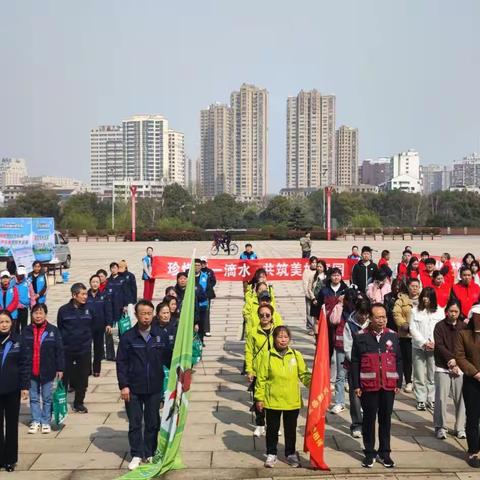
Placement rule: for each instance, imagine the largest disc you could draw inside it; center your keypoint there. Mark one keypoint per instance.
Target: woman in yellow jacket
(250, 312)
(278, 392)
(257, 347)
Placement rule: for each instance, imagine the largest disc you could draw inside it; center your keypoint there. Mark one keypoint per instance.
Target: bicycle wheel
(214, 250)
(233, 248)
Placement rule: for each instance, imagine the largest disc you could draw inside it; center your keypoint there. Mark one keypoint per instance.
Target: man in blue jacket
(75, 320)
(140, 360)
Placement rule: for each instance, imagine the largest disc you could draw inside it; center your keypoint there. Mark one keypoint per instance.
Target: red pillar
(329, 213)
(133, 193)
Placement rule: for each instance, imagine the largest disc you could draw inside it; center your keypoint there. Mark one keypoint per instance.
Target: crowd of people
(413, 326)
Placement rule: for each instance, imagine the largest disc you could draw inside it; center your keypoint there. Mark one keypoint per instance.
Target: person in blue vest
(75, 320)
(140, 361)
(148, 280)
(14, 384)
(202, 287)
(116, 290)
(130, 287)
(8, 295)
(101, 304)
(25, 297)
(39, 282)
(47, 358)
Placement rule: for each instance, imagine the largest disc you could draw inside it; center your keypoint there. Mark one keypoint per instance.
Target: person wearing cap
(39, 282)
(130, 283)
(364, 271)
(210, 292)
(8, 295)
(148, 280)
(26, 296)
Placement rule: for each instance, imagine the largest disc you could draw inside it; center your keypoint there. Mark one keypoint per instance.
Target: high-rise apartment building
(310, 140)
(250, 142)
(216, 150)
(176, 158)
(145, 147)
(13, 171)
(347, 156)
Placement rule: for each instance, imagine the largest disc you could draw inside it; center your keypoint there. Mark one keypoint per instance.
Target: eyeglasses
(265, 315)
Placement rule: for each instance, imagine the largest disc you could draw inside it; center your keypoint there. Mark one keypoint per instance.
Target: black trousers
(406, 349)
(374, 403)
(22, 320)
(98, 350)
(290, 418)
(471, 397)
(77, 370)
(143, 409)
(9, 411)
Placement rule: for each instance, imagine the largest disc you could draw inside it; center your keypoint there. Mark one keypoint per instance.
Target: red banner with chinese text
(243, 270)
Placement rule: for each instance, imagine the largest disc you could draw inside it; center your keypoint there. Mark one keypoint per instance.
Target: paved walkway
(218, 441)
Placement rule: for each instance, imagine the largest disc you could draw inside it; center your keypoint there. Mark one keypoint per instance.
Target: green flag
(177, 394)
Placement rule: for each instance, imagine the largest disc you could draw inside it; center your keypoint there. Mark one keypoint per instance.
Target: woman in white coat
(424, 318)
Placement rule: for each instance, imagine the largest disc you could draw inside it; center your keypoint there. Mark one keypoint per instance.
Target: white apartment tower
(176, 158)
(145, 148)
(310, 140)
(250, 143)
(13, 171)
(347, 156)
(216, 150)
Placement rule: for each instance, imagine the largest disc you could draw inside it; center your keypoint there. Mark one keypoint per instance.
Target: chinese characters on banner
(243, 270)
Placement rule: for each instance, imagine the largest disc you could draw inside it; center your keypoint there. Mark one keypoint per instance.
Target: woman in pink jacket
(380, 286)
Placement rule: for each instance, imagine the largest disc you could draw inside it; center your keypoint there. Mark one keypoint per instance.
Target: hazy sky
(405, 72)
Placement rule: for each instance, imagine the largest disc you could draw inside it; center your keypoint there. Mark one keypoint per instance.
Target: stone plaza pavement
(218, 441)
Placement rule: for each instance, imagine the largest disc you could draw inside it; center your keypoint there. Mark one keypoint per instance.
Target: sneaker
(81, 409)
(34, 428)
(408, 388)
(441, 434)
(259, 431)
(421, 406)
(461, 435)
(208, 334)
(368, 461)
(134, 463)
(337, 408)
(270, 461)
(356, 433)
(386, 461)
(473, 461)
(46, 429)
(294, 460)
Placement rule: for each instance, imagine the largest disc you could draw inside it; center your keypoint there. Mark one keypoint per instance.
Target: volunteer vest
(148, 261)
(6, 298)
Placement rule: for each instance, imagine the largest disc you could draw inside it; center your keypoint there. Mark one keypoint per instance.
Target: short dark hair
(146, 303)
(377, 305)
(281, 328)
(39, 306)
(102, 271)
(76, 288)
(113, 264)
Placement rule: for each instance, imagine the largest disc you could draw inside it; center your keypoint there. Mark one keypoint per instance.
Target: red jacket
(467, 296)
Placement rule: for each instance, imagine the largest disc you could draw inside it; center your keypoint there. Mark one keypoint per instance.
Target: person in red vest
(441, 287)
(466, 291)
(426, 275)
(376, 369)
(402, 266)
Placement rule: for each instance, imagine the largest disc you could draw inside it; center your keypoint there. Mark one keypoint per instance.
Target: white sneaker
(259, 431)
(408, 388)
(34, 428)
(337, 408)
(270, 461)
(134, 463)
(46, 429)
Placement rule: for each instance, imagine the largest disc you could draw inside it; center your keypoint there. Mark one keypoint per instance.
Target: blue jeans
(340, 378)
(41, 393)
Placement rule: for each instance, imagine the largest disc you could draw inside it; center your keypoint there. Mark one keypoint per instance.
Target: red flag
(319, 398)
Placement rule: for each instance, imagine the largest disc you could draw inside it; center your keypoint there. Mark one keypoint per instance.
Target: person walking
(14, 384)
(448, 376)
(101, 305)
(39, 282)
(467, 356)
(25, 297)
(75, 320)
(277, 391)
(140, 361)
(402, 313)
(257, 348)
(47, 357)
(364, 271)
(424, 317)
(306, 245)
(377, 377)
(307, 280)
(148, 280)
